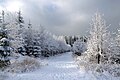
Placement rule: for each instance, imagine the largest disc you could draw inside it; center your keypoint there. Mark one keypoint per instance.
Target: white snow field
(60, 67)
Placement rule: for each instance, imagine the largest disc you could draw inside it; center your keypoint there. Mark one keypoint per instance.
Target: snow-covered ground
(60, 67)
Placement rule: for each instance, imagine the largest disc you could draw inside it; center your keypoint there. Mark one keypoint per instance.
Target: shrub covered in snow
(79, 46)
(25, 64)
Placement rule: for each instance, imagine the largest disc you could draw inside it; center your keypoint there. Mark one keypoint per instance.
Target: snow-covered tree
(98, 41)
(31, 41)
(19, 32)
(4, 41)
(101, 49)
(28, 39)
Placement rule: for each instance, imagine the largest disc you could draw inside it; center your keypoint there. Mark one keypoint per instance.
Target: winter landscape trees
(19, 42)
(101, 49)
(17, 37)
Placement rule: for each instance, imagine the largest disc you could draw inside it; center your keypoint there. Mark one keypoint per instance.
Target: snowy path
(59, 68)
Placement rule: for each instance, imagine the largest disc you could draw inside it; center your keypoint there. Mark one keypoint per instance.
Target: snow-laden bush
(25, 64)
(79, 47)
(113, 69)
(84, 62)
(91, 65)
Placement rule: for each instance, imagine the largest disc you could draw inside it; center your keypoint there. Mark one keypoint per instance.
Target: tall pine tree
(20, 30)
(4, 42)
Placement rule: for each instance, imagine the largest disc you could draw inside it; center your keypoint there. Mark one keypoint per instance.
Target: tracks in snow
(60, 67)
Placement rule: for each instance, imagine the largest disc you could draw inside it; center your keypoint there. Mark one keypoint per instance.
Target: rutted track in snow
(59, 68)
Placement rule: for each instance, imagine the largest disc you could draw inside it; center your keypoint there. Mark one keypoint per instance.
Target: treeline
(17, 37)
(71, 39)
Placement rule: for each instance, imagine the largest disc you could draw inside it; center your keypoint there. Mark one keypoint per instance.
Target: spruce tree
(28, 40)
(4, 42)
(20, 30)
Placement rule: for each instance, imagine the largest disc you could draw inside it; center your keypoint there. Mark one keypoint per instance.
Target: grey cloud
(69, 17)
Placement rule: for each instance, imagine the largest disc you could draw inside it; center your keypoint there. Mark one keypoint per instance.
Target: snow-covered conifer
(5, 48)
(19, 32)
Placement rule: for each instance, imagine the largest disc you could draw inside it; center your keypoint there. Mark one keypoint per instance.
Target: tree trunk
(98, 57)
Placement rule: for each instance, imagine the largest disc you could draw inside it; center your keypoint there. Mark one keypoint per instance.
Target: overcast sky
(65, 17)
